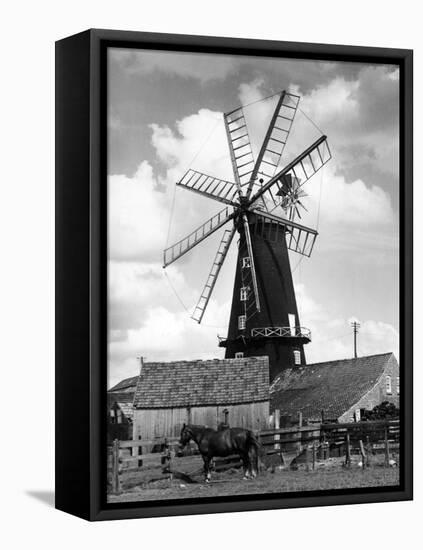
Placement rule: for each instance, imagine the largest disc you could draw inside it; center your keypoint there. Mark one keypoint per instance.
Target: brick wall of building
(378, 393)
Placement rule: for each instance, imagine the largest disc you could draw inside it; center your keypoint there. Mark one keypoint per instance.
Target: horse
(223, 442)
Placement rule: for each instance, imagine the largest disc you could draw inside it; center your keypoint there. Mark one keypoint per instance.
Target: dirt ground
(152, 484)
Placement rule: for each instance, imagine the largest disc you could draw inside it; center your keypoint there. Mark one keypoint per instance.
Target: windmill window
(246, 262)
(241, 322)
(239, 355)
(244, 293)
(398, 385)
(388, 385)
(297, 357)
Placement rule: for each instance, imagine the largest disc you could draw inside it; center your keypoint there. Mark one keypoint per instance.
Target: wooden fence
(130, 456)
(322, 440)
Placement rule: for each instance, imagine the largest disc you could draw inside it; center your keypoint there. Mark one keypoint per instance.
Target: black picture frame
(81, 271)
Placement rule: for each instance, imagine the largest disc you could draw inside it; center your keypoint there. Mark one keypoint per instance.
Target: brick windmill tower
(264, 316)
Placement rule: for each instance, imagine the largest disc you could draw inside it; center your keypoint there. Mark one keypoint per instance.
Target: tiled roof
(127, 409)
(124, 400)
(333, 386)
(191, 383)
(125, 384)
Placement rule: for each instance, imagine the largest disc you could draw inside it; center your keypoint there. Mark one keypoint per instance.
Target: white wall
(26, 301)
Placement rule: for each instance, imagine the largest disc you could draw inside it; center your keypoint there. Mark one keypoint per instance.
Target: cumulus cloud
(136, 214)
(166, 336)
(332, 337)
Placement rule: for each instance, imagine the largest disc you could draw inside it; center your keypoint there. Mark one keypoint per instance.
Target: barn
(230, 391)
(120, 400)
(339, 390)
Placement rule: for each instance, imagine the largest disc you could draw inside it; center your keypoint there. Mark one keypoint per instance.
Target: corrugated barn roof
(194, 383)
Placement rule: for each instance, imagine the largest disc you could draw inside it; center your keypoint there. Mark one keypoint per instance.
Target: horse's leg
(244, 458)
(253, 461)
(207, 474)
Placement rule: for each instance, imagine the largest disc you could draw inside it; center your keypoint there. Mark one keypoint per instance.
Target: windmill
(264, 317)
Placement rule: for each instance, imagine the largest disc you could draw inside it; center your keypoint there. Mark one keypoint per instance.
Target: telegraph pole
(356, 326)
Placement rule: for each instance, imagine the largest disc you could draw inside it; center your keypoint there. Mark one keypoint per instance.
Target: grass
(145, 486)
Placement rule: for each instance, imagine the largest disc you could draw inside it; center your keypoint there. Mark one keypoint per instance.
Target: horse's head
(186, 436)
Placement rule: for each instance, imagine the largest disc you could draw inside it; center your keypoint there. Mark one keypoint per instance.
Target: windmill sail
(302, 169)
(188, 243)
(208, 186)
(239, 146)
(299, 238)
(274, 141)
(222, 251)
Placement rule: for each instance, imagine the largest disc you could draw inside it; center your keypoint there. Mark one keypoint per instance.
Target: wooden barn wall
(151, 423)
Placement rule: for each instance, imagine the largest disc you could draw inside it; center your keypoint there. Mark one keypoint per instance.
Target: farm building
(120, 400)
(230, 391)
(340, 390)
(125, 386)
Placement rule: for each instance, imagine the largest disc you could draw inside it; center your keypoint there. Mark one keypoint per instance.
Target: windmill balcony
(298, 334)
(276, 332)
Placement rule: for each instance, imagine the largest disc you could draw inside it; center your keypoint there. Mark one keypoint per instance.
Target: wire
(218, 120)
(310, 120)
(298, 263)
(172, 208)
(224, 327)
(186, 169)
(176, 294)
(258, 100)
(320, 197)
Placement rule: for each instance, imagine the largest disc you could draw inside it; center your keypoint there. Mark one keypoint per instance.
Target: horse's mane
(196, 427)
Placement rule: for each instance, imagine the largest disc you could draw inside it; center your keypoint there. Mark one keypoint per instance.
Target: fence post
(299, 433)
(134, 454)
(368, 451)
(260, 464)
(347, 451)
(277, 426)
(116, 488)
(363, 454)
(139, 452)
(386, 448)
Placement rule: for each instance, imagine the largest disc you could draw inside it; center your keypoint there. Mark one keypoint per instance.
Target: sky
(165, 115)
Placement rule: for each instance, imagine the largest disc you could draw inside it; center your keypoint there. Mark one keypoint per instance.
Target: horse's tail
(252, 439)
(253, 446)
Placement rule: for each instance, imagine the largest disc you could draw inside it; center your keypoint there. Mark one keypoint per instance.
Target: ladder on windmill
(214, 272)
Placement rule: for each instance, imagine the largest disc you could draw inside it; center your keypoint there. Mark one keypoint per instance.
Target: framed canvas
(233, 274)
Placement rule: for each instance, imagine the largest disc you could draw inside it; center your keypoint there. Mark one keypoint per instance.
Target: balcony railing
(278, 332)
